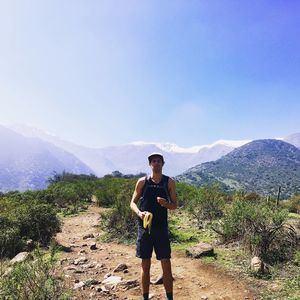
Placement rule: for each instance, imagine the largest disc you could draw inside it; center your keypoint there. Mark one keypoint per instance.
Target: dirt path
(193, 279)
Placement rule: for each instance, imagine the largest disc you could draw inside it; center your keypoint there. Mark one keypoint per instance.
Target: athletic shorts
(157, 239)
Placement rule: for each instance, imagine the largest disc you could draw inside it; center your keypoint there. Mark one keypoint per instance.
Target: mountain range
(28, 157)
(132, 158)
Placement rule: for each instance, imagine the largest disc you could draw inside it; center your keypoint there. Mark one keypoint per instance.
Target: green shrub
(10, 241)
(37, 221)
(22, 220)
(33, 280)
(120, 222)
(293, 204)
(262, 227)
(207, 204)
(109, 188)
(185, 192)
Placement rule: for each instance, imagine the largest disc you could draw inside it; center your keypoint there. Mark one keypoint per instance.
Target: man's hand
(142, 214)
(162, 201)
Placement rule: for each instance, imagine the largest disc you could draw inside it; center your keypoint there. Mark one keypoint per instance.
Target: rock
(69, 268)
(91, 281)
(107, 275)
(30, 245)
(80, 261)
(129, 284)
(67, 249)
(204, 298)
(111, 281)
(82, 251)
(93, 246)
(120, 268)
(7, 271)
(89, 266)
(20, 257)
(104, 289)
(158, 280)
(78, 271)
(88, 236)
(62, 261)
(78, 285)
(201, 249)
(125, 271)
(98, 288)
(258, 266)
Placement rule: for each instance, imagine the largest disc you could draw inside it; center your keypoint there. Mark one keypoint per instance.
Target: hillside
(27, 163)
(260, 166)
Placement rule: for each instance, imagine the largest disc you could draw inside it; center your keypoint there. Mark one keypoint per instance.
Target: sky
(102, 73)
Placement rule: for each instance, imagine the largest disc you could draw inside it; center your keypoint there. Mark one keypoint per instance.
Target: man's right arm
(136, 197)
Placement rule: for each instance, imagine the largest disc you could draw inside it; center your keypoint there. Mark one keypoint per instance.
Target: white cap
(155, 154)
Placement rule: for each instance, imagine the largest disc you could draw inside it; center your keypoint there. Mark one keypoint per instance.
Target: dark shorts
(157, 239)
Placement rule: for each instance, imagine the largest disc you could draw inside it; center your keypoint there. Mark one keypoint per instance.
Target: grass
(283, 282)
(294, 216)
(183, 233)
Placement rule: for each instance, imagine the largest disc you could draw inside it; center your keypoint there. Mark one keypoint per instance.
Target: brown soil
(192, 278)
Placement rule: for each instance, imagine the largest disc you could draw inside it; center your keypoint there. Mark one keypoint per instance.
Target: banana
(148, 220)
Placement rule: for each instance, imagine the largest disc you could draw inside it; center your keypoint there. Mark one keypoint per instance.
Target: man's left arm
(172, 195)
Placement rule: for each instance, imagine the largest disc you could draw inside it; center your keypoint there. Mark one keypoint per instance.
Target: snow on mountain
(132, 158)
(293, 139)
(169, 147)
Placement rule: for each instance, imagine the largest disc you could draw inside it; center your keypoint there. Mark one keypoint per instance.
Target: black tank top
(148, 201)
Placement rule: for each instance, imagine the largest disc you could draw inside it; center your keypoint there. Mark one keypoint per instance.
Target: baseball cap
(155, 154)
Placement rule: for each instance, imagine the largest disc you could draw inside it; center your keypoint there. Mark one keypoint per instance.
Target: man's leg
(145, 275)
(167, 277)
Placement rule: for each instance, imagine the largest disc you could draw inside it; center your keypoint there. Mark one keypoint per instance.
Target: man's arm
(173, 198)
(136, 196)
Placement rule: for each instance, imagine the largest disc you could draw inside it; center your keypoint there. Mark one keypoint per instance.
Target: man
(157, 194)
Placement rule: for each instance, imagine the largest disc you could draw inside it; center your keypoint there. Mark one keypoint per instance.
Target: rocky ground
(97, 270)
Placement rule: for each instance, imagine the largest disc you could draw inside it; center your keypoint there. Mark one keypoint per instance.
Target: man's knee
(166, 265)
(146, 263)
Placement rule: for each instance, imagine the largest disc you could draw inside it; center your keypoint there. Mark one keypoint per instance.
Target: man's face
(156, 164)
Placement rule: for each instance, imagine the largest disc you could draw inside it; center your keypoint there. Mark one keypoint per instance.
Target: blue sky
(104, 73)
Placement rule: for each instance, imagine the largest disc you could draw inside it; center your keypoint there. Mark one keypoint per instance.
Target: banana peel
(147, 222)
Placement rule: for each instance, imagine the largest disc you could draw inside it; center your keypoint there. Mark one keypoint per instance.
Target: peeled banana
(147, 222)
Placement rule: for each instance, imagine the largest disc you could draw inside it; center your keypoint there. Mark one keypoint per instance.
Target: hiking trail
(87, 265)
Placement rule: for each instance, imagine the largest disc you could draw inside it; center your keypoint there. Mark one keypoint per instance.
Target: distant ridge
(260, 166)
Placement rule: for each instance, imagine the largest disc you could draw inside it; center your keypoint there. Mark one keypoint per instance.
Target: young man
(157, 194)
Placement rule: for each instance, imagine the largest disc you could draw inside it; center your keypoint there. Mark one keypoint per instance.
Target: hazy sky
(188, 72)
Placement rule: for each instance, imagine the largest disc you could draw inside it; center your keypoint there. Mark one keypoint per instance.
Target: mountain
(293, 139)
(27, 163)
(132, 158)
(260, 166)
